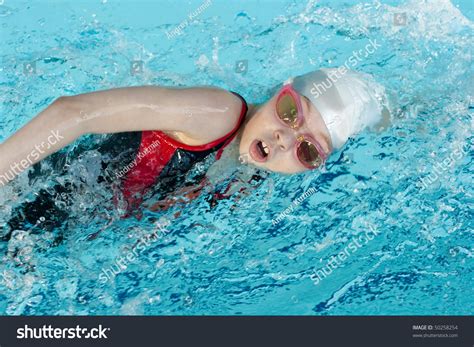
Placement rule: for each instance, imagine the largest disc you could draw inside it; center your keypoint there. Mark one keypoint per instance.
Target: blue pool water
(249, 256)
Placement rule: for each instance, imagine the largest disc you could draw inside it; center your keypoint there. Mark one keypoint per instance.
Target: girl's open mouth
(259, 151)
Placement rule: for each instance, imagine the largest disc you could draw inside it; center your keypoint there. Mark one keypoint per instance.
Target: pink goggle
(288, 110)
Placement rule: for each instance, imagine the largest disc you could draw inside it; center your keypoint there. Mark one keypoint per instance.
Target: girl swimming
(158, 134)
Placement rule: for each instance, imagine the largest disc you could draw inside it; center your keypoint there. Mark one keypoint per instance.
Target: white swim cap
(348, 102)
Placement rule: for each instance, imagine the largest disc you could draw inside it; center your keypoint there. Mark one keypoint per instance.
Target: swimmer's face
(268, 143)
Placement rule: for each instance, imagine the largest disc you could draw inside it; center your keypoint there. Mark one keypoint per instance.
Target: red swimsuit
(160, 157)
(141, 161)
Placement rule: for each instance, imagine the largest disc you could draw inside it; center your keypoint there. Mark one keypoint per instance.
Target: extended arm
(193, 115)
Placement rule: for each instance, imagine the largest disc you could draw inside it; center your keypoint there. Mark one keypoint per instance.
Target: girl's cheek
(285, 162)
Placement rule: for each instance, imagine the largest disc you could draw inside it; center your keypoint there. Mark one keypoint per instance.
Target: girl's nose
(283, 139)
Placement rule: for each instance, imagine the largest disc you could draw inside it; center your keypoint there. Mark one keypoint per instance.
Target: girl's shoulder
(221, 112)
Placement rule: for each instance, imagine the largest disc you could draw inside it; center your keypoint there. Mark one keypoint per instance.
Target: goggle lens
(287, 109)
(308, 154)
